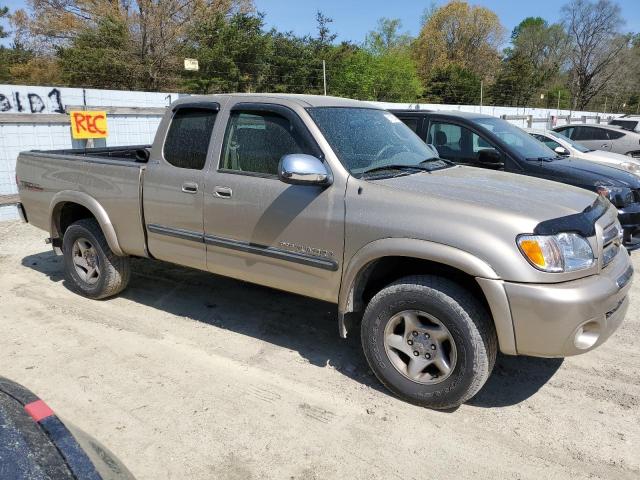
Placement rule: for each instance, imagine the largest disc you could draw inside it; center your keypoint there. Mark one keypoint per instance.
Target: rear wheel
(91, 268)
(429, 341)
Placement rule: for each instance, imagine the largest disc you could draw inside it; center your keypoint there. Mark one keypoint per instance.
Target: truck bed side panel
(114, 184)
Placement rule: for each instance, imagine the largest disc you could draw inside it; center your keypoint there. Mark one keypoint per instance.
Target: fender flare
(435, 252)
(90, 204)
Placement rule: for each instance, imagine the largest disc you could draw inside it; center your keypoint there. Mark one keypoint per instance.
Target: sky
(353, 19)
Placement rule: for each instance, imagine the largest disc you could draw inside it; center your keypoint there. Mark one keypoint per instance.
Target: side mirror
(561, 151)
(301, 169)
(490, 157)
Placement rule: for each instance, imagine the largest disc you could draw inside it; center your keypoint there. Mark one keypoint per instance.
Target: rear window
(188, 138)
(626, 124)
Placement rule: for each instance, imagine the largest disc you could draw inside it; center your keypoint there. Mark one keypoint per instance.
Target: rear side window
(589, 133)
(613, 135)
(256, 141)
(188, 138)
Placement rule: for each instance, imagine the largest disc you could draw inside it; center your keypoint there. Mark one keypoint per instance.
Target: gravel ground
(187, 375)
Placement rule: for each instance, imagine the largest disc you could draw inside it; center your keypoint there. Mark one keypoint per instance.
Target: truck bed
(112, 176)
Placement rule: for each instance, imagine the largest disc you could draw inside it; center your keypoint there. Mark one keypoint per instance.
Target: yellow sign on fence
(85, 124)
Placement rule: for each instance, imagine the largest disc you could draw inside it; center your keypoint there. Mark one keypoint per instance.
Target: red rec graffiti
(89, 123)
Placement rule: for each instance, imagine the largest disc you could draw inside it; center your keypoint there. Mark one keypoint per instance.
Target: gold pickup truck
(437, 265)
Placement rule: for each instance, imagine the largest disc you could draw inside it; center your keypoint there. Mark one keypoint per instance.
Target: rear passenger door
(260, 229)
(174, 186)
(592, 137)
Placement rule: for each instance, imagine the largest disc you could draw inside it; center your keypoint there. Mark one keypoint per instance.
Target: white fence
(34, 118)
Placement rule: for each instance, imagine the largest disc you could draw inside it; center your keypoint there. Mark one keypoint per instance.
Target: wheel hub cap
(85, 261)
(420, 347)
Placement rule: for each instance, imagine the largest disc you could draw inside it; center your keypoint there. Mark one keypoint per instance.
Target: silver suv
(610, 138)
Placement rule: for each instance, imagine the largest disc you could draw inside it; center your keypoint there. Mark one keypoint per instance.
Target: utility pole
(605, 105)
(558, 109)
(324, 76)
(481, 92)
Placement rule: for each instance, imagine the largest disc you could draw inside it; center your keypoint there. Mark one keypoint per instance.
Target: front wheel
(430, 341)
(91, 268)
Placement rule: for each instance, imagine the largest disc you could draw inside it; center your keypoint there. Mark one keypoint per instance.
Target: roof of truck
(302, 100)
(451, 113)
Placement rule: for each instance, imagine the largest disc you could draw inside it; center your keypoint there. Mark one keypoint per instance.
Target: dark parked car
(610, 138)
(36, 444)
(483, 141)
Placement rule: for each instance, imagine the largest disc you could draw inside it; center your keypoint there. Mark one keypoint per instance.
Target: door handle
(606, 145)
(222, 192)
(190, 187)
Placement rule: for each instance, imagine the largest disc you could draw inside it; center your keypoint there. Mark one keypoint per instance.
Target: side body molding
(435, 252)
(90, 204)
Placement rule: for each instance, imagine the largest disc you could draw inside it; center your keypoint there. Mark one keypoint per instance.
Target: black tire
(114, 270)
(469, 325)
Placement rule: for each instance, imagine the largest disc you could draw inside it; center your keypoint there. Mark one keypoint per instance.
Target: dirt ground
(187, 375)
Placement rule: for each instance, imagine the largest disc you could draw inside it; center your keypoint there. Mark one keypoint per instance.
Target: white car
(570, 148)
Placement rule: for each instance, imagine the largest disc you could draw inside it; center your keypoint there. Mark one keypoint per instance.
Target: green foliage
(4, 12)
(233, 54)
(454, 85)
(100, 58)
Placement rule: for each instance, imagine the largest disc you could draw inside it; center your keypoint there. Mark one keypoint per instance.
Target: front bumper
(630, 220)
(569, 318)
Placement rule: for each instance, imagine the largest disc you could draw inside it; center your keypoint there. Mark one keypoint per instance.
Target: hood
(585, 173)
(520, 195)
(600, 156)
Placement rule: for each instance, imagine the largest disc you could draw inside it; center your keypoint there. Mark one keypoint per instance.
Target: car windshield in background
(578, 146)
(529, 147)
(368, 140)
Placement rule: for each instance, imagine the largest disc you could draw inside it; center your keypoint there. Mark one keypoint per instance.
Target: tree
(462, 35)
(387, 37)
(325, 37)
(516, 82)
(453, 84)
(233, 54)
(4, 12)
(595, 41)
(100, 57)
(544, 45)
(156, 30)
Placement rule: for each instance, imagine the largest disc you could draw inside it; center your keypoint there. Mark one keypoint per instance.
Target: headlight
(619, 196)
(565, 252)
(631, 167)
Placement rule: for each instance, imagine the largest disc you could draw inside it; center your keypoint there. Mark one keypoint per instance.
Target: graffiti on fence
(30, 102)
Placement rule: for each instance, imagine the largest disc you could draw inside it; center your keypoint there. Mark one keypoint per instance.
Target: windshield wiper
(544, 159)
(394, 166)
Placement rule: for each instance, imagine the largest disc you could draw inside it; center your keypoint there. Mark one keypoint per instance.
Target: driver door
(260, 229)
(457, 143)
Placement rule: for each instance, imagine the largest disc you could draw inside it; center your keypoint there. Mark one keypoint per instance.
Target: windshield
(529, 147)
(578, 146)
(367, 139)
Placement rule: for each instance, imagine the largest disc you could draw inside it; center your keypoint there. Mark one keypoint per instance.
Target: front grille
(611, 241)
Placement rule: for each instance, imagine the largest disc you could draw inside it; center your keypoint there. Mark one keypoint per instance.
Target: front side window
(516, 138)
(457, 143)
(367, 140)
(188, 137)
(256, 141)
(552, 144)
